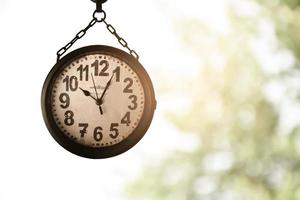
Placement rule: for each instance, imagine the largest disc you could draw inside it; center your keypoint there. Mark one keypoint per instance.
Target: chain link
(121, 40)
(78, 36)
(109, 27)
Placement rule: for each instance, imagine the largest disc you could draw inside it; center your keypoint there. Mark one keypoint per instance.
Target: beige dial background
(116, 103)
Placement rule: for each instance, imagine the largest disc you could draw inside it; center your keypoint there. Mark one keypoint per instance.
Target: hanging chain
(109, 27)
(121, 40)
(79, 35)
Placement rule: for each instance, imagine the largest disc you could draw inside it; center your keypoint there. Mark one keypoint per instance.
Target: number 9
(65, 100)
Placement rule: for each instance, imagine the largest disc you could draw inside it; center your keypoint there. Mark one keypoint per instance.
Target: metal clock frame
(100, 152)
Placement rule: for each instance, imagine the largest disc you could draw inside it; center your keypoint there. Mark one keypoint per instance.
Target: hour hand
(87, 93)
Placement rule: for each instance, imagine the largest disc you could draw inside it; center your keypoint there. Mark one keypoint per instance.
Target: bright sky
(32, 165)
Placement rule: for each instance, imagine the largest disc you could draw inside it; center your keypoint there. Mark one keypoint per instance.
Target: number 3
(133, 99)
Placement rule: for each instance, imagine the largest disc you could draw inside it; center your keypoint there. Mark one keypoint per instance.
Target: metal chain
(81, 33)
(121, 40)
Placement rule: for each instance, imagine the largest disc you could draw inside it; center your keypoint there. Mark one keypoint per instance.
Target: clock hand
(107, 86)
(94, 86)
(87, 93)
(98, 102)
(101, 111)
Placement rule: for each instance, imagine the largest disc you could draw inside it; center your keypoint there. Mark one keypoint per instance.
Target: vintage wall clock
(98, 101)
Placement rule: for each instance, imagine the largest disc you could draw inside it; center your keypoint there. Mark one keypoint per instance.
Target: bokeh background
(227, 81)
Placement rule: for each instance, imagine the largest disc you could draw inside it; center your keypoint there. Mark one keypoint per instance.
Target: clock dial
(97, 100)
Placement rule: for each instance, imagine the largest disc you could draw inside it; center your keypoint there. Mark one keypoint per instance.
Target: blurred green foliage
(241, 152)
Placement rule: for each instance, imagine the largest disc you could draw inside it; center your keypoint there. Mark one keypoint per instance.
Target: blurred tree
(242, 153)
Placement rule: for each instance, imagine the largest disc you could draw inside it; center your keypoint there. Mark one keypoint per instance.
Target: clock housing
(80, 140)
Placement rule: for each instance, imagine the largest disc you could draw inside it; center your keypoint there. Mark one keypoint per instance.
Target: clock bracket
(99, 4)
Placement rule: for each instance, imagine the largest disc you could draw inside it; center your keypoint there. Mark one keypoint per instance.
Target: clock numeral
(84, 127)
(69, 118)
(71, 83)
(126, 119)
(128, 87)
(117, 72)
(113, 128)
(84, 72)
(98, 134)
(133, 99)
(103, 71)
(65, 100)
(96, 66)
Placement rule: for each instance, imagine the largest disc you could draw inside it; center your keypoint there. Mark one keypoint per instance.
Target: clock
(98, 101)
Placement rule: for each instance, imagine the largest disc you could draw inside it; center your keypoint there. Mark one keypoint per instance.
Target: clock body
(98, 101)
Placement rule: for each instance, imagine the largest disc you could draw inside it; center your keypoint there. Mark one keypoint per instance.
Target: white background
(32, 164)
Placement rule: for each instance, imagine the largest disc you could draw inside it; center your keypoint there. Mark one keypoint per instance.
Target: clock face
(98, 102)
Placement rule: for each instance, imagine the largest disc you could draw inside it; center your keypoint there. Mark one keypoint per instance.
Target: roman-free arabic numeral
(126, 119)
(128, 89)
(71, 83)
(65, 100)
(104, 69)
(83, 131)
(113, 128)
(69, 118)
(117, 72)
(84, 72)
(103, 72)
(133, 99)
(96, 67)
(98, 134)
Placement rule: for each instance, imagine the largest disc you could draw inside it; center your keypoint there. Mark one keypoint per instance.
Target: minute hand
(107, 86)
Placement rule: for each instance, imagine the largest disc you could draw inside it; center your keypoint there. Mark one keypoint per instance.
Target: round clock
(98, 101)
